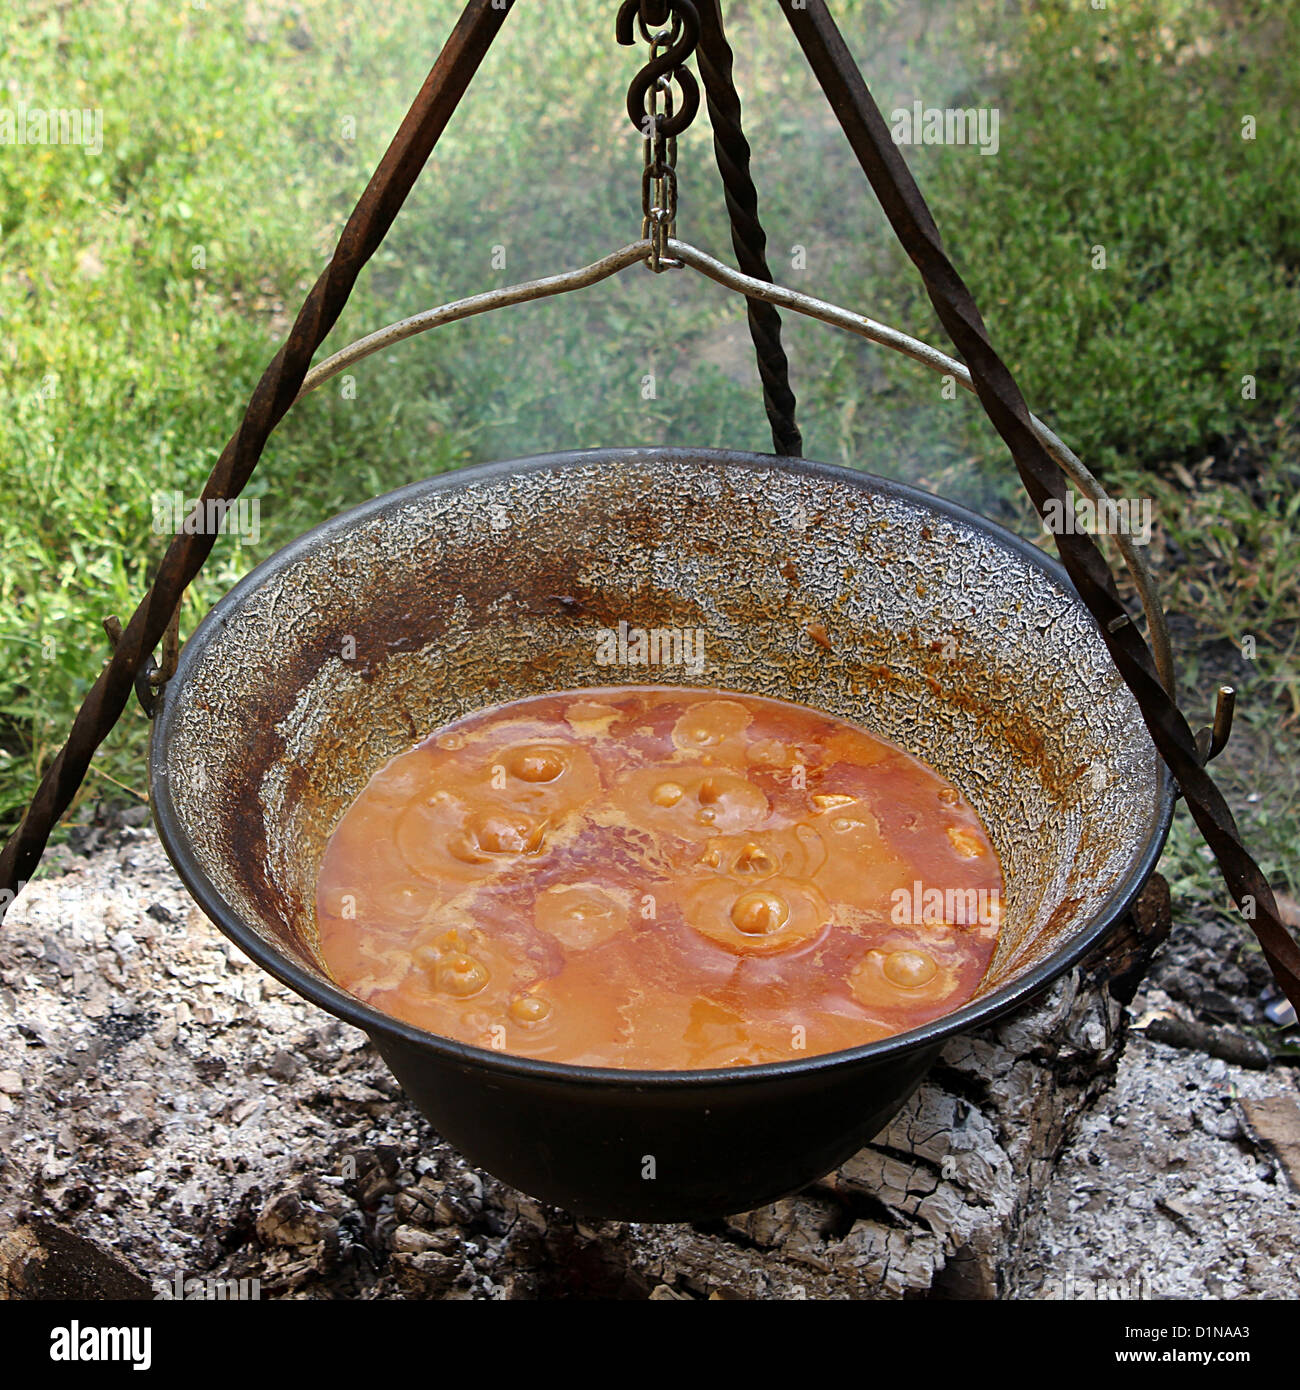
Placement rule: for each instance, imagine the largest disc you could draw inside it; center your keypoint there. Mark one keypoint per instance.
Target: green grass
(143, 289)
(1124, 130)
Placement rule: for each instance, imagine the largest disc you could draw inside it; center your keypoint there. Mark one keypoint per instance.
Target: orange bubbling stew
(659, 878)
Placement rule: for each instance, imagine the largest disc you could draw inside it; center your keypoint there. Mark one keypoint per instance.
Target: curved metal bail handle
(891, 180)
(768, 293)
(274, 394)
(938, 361)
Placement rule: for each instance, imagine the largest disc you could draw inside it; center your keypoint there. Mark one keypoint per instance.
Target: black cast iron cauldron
(910, 616)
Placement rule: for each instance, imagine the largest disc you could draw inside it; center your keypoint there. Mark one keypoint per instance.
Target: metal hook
(1211, 740)
(151, 678)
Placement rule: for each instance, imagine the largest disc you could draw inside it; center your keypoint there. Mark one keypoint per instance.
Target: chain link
(659, 176)
(657, 113)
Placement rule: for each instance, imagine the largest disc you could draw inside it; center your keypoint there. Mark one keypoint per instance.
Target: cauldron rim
(352, 1010)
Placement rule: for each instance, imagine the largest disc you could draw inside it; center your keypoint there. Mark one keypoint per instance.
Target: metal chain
(654, 110)
(659, 176)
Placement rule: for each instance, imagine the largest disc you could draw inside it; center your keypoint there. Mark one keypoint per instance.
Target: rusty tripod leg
(747, 235)
(891, 180)
(438, 98)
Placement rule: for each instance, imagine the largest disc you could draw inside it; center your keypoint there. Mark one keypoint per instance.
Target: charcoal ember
(289, 1219)
(1182, 984)
(58, 955)
(420, 1201)
(375, 1173)
(322, 1044)
(1214, 1002)
(415, 1240)
(456, 1207)
(1256, 970)
(1232, 979)
(1210, 935)
(1225, 1043)
(284, 1066)
(47, 1261)
(425, 1274)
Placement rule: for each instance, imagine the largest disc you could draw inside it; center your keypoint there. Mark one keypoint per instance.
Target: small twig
(99, 772)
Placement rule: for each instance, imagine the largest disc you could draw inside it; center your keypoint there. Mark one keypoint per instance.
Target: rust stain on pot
(881, 609)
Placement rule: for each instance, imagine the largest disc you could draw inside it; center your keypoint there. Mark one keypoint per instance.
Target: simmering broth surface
(659, 878)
